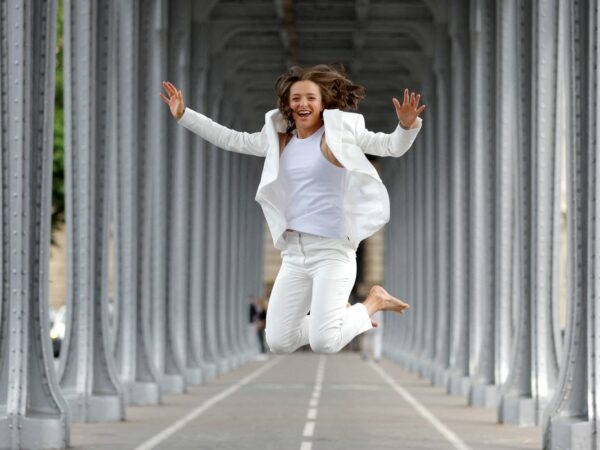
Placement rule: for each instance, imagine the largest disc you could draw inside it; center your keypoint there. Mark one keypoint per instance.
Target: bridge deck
(309, 402)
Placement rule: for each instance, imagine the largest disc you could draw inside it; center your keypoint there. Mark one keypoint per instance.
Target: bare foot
(380, 300)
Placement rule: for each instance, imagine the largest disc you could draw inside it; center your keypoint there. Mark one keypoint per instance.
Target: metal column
(88, 376)
(459, 382)
(34, 411)
(132, 351)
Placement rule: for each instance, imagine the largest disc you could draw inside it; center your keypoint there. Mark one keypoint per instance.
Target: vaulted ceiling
(385, 45)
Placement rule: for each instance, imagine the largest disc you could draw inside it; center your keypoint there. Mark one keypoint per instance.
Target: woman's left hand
(409, 110)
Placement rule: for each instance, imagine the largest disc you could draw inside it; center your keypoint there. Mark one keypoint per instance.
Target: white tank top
(314, 188)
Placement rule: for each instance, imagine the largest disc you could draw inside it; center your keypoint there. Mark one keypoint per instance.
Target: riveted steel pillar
(235, 290)
(217, 230)
(535, 366)
(225, 291)
(167, 353)
(571, 418)
(212, 259)
(224, 268)
(237, 327)
(132, 351)
(399, 331)
(516, 404)
(416, 160)
(593, 315)
(179, 54)
(87, 372)
(442, 222)
(507, 144)
(428, 148)
(481, 174)
(34, 413)
(459, 382)
(411, 262)
(394, 330)
(546, 200)
(198, 320)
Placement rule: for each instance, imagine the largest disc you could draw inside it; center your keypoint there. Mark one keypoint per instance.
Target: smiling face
(306, 105)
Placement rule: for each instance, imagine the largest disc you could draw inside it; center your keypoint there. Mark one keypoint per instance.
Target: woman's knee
(280, 343)
(327, 342)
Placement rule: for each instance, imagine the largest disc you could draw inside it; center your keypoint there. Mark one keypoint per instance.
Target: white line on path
(457, 442)
(309, 429)
(169, 431)
(309, 426)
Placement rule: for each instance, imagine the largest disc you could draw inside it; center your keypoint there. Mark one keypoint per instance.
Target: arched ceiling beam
(439, 10)
(201, 10)
(223, 30)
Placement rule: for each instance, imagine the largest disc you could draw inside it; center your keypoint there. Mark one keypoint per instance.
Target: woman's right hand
(174, 99)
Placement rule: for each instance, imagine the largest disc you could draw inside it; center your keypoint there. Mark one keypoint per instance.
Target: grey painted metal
(200, 309)
(545, 192)
(429, 329)
(167, 357)
(442, 265)
(481, 175)
(34, 413)
(516, 404)
(132, 351)
(212, 323)
(179, 54)
(224, 262)
(460, 125)
(87, 373)
(535, 388)
(571, 417)
(507, 142)
(227, 272)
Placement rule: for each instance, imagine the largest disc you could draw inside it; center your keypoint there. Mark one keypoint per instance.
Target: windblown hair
(337, 91)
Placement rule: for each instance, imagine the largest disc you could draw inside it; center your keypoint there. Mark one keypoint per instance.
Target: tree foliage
(58, 163)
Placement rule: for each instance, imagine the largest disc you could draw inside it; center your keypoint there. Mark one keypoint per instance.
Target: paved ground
(309, 402)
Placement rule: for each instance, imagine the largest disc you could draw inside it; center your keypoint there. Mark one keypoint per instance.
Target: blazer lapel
(274, 122)
(346, 152)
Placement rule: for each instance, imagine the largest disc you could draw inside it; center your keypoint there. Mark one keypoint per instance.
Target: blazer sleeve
(384, 144)
(223, 137)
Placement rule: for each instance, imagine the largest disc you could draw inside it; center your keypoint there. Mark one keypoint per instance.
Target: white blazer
(366, 201)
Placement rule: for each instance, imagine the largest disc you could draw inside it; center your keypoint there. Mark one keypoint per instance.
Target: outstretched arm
(398, 142)
(222, 137)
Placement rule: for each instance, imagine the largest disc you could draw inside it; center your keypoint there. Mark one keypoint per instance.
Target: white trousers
(316, 275)
(373, 339)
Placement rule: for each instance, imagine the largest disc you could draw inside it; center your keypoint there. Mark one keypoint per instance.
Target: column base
(37, 431)
(224, 366)
(517, 411)
(210, 370)
(484, 395)
(459, 385)
(440, 377)
(193, 375)
(142, 393)
(95, 408)
(425, 370)
(568, 432)
(171, 384)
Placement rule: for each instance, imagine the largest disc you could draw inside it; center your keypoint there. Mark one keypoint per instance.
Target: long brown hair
(337, 91)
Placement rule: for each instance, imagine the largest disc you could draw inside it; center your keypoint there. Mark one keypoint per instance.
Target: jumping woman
(320, 196)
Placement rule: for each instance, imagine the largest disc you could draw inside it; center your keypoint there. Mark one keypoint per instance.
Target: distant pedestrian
(320, 196)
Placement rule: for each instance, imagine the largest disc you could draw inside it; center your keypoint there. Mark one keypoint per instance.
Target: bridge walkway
(307, 401)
